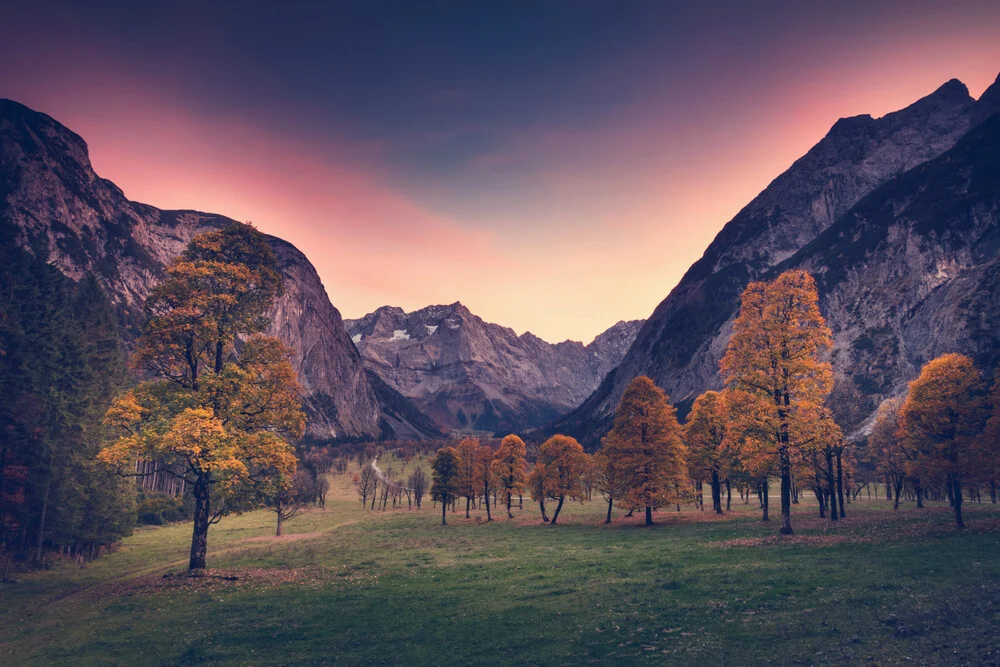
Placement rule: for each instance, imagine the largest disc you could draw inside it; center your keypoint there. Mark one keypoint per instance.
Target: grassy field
(346, 586)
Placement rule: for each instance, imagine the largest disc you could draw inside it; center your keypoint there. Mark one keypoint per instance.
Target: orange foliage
(645, 448)
(778, 382)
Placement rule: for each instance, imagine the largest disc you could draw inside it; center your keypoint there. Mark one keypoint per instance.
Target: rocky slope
(50, 193)
(471, 374)
(681, 343)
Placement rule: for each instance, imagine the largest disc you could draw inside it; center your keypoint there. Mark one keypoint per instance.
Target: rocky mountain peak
(469, 374)
(50, 195)
(681, 343)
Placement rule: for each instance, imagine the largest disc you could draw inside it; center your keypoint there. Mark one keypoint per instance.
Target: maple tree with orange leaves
(510, 469)
(558, 473)
(646, 447)
(218, 418)
(942, 422)
(774, 369)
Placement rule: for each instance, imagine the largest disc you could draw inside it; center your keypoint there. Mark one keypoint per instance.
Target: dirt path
(180, 562)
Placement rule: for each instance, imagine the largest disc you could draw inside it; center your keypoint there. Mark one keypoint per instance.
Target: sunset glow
(562, 203)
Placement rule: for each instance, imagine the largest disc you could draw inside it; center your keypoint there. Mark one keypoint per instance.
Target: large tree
(773, 365)
(942, 420)
(510, 469)
(218, 414)
(558, 473)
(645, 444)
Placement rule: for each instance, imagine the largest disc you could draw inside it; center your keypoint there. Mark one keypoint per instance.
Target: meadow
(350, 586)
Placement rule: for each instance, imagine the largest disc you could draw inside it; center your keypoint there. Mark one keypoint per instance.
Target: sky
(554, 165)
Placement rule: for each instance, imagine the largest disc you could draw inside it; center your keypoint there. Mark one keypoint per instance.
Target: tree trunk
(611, 500)
(956, 485)
(649, 515)
(277, 533)
(786, 494)
(545, 517)
(41, 519)
(840, 483)
(558, 507)
(820, 498)
(467, 502)
(898, 488)
(729, 495)
(444, 510)
(831, 479)
(716, 493)
(765, 499)
(919, 492)
(202, 515)
(509, 499)
(486, 502)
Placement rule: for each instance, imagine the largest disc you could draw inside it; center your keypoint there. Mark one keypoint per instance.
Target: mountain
(470, 374)
(681, 343)
(57, 204)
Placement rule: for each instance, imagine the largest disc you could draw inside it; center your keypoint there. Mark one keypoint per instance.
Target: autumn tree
(819, 438)
(942, 420)
(219, 415)
(485, 481)
(850, 407)
(468, 470)
(418, 485)
(887, 450)
(557, 473)
(773, 367)
(366, 483)
(286, 494)
(446, 476)
(510, 469)
(610, 481)
(645, 443)
(705, 436)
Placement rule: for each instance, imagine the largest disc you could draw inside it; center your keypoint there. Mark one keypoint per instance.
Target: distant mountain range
(897, 217)
(468, 374)
(50, 194)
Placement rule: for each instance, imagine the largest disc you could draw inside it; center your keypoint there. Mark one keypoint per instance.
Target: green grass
(397, 588)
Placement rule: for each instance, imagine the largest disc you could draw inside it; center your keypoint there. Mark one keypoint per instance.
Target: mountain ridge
(53, 198)
(467, 373)
(682, 341)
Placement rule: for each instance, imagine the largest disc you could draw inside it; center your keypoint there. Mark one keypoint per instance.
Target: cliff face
(50, 193)
(471, 374)
(681, 343)
(913, 270)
